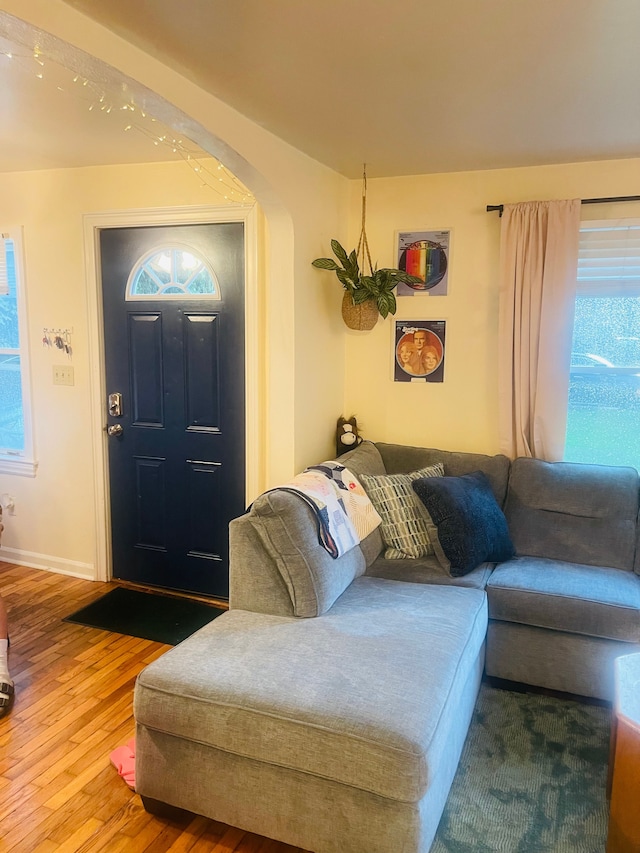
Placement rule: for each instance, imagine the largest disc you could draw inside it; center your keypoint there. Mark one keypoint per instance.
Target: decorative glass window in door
(172, 272)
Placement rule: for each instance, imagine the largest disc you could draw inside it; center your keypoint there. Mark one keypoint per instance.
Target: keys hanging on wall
(58, 339)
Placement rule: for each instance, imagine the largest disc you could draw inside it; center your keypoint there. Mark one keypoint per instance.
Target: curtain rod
(615, 198)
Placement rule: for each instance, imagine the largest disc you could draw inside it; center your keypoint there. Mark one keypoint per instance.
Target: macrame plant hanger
(363, 316)
(363, 243)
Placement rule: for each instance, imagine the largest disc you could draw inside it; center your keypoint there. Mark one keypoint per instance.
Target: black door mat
(150, 616)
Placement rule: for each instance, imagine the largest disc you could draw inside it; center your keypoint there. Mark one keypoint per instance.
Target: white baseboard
(59, 566)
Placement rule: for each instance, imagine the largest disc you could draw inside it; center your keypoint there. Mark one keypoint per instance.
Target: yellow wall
(313, 368)
(302, 200)
(303, 204)
(54, 523)
(460, 413)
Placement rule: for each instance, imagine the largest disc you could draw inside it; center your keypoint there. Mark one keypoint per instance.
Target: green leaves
(339, 252)
(378, 286)
(325, 264)
(346, 282)
(404, 277)
(360, 295)
(349, 273)
(386, 304)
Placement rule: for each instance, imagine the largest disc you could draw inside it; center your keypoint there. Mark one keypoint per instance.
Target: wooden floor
(59, 793)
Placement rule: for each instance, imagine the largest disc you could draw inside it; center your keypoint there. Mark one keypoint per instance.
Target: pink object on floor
(124, 760)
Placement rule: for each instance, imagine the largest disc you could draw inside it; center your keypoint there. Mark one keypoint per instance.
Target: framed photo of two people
(419, 350)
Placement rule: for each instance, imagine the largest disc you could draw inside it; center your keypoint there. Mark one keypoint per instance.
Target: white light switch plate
(63, 374)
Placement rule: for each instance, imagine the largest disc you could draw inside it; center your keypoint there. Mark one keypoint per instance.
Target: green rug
(150, 616)
(532, 778)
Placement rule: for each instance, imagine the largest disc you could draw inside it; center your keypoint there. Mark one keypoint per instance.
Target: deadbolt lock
(115, 405)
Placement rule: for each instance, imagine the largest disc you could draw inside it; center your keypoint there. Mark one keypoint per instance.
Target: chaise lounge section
(335, 734)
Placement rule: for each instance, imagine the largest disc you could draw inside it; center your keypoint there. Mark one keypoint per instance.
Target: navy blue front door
(173, 302)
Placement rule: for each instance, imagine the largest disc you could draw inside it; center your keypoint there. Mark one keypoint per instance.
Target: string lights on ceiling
(210, 172)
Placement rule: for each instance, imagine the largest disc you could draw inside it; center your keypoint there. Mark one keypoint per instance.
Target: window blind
(609, 260)
(4, 279)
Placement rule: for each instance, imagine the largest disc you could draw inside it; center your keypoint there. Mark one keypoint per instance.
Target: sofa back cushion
(285, 527)
(289, 534)
(404, 527)
(363, 459)
(401, 459)
(366, 459)
(569, 511)
(255, 583)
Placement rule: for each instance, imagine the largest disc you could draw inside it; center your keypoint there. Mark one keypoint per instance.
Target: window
(172, 272)
(16, 451)
(603, 423)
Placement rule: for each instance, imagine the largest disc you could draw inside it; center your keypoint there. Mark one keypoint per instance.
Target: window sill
(19, 467)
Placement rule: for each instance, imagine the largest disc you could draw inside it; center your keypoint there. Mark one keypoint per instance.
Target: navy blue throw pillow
(466, 525)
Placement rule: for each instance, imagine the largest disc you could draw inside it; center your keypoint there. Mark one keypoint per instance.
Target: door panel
(204, 490)
(151, 499)
(177, 471)
(202, 358)
(146, 374)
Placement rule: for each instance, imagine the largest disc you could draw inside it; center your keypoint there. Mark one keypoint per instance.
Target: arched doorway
(264, 349)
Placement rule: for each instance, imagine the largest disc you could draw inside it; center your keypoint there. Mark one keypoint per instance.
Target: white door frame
(93, 223)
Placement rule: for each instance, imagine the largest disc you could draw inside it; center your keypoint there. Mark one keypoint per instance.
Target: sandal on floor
(7, 695)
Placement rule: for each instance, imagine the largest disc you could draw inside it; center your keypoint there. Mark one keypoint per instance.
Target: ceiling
(409, 87)
(49, 121)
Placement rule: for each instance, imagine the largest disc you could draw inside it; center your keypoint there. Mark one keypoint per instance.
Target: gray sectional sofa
(328, 708)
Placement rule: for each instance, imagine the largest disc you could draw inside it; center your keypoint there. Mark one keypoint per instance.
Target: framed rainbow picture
(425, 254)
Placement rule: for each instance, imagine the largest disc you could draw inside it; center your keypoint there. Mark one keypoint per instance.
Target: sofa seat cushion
(591, 600)
(365, 695)
(428, 570)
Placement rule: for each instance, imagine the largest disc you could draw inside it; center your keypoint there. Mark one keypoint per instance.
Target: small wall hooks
(58, 339)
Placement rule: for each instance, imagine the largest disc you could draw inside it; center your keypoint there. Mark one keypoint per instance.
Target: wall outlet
(63, 374)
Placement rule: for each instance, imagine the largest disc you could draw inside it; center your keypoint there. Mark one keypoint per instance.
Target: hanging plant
(372, 293)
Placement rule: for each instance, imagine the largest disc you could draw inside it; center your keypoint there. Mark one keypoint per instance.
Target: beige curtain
(538, 268)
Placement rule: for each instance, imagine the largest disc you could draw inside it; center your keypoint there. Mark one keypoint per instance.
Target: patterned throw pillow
(404, 521)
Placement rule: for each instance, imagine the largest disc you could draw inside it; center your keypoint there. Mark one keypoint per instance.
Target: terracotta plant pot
(361, 317)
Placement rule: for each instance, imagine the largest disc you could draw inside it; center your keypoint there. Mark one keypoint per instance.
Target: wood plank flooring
(59, 793)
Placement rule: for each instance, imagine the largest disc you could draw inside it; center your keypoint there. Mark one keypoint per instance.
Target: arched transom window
(172, 272)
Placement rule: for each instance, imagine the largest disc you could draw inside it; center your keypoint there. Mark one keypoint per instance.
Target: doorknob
(115, 429)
